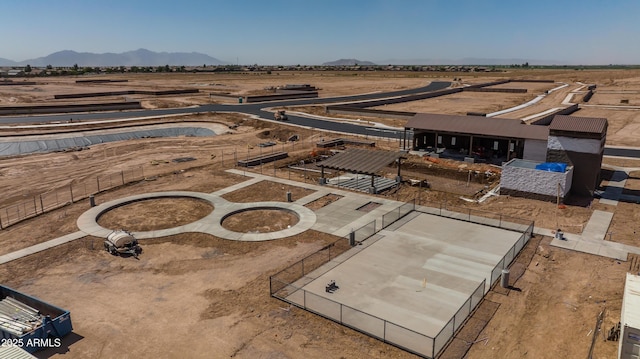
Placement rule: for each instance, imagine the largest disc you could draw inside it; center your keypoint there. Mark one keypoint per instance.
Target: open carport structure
(364, 162)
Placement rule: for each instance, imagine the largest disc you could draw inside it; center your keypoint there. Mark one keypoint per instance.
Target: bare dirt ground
(199, 296)
(549, 101)
(484, 102)
(620, 92)
(264, 191)
(557, 320)
(624, 122)
(608, 161)
(322, 201)
(155, 214)
(330, 84)
(624, 125)
(624, 226)
(461, 103)
(260, 221)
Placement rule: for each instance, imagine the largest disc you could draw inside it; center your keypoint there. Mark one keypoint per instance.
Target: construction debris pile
(18, 318)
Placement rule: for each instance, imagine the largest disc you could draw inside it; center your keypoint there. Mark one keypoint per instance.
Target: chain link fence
(56, 198)
(407, 339)
(59, 197)
(458, 319)
(288, 284)
(511, 255)
(443, 209)
(392, 216)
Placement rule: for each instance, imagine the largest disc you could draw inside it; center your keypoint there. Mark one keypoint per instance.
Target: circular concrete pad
(211, 224)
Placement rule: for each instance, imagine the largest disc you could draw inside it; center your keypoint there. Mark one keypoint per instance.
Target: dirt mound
(279, 134)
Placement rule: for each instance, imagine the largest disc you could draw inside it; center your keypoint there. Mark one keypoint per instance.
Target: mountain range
(140, 57)
(144, 57)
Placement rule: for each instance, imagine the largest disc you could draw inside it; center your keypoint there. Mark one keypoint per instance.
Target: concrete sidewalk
(338, 218)
(593, 239)
(341, 216)
(41, 247)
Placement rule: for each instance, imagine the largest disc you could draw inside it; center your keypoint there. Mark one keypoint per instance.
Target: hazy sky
(316, 31)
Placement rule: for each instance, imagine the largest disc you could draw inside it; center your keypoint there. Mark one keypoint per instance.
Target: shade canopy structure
(361, 161)
(365, 162)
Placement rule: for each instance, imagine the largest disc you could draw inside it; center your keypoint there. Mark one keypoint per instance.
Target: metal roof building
(477, 125)
(575, 141)
(592, 125)
(477, 138)
(579, 142)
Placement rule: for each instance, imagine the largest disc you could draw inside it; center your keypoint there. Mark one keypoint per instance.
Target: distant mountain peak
(348, 62)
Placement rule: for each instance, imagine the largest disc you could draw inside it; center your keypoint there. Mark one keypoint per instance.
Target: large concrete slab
(417, 276)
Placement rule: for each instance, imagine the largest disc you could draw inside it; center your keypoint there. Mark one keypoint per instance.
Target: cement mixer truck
(122, 242)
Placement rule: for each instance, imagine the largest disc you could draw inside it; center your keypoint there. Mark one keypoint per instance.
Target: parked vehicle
(122, 242)
(280, 116)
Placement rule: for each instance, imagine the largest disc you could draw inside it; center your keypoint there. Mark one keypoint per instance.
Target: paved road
(256, 109)
(622, 152)
(248, 108)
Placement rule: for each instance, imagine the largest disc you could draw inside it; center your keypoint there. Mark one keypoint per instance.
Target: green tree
(27, 69)
(75, 67)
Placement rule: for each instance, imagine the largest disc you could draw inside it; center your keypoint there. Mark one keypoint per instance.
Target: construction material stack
(29, 323)
(18, 318)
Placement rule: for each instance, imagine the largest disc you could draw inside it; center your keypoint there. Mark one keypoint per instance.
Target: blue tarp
(552, 167)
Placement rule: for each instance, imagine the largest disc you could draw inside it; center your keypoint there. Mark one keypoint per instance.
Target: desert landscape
(200, 296)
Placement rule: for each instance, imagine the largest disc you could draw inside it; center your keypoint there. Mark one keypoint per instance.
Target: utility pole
(557, 206)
